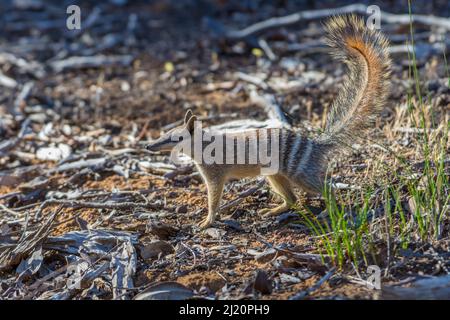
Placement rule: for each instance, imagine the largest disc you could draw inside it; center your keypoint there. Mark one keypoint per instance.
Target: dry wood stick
(323, 13)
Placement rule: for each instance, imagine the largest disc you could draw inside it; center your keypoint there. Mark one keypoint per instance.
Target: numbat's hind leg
(283, 188)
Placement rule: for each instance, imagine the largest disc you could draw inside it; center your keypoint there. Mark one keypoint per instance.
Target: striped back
(256, 147)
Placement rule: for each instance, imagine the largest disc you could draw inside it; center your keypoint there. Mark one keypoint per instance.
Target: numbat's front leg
(215, 189)
(283, 188)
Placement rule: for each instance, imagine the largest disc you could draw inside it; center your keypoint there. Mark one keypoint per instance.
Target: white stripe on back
(305, 157)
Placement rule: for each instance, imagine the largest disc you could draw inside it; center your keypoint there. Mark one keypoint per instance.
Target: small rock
(38, 117)
(215, 233)
(67, 130)
(172, 194)
(288, 279)
(303, 275)
(433, 85)
(155, 248)
(125, 86)
(289, 64)
(253, 252)
(54, 153)
(182, 209)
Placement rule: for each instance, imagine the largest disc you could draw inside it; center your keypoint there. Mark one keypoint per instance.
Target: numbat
(299, 161)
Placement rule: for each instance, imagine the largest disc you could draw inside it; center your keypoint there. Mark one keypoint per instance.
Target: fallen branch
(267, 50)
(23, 96)
(270, 105)
(245, 124)
(8, 210)
(78, 165)
(323, 13)
(34, 68)
(422, 50)
(81, 283)
(260, 83)
(94, 205)
(12, 256)
(91, 62)
(10, 144)
(434, 288)
(311, 259)
(10, 195)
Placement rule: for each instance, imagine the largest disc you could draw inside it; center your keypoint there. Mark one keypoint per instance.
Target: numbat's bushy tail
(364, 92)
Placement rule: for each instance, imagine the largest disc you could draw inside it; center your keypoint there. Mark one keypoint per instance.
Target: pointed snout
(154, 147)
(162, 144)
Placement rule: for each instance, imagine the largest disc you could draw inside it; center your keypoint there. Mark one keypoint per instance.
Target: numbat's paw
(264, 212)
(206, 223)
(273, 212)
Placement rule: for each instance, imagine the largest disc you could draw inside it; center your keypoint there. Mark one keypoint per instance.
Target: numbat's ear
(188, 115)
(190, 123)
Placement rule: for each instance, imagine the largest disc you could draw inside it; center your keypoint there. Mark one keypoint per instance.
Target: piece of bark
(91, 62)
(297, 17)
(262, 283)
